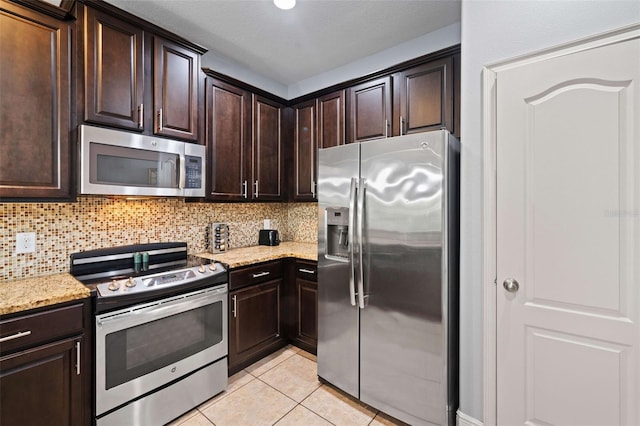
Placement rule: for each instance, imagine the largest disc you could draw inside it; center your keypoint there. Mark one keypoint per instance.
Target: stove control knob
(212, 266)
(114, 286)
(130, 283)
(201, 269)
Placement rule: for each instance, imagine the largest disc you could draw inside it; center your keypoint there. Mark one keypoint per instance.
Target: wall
(237, 71)
(97, 222)
(493, 31)
(419, 46)
(428, 43)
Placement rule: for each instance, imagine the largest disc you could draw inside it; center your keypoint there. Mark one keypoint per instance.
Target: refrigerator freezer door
(402, 331)
(337, 317)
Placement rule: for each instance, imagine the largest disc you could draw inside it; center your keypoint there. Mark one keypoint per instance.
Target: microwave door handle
(183, 172)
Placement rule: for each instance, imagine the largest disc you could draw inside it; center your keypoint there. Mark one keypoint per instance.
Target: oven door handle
(165, 308)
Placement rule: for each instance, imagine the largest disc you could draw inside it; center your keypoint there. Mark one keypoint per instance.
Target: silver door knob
(511, 285)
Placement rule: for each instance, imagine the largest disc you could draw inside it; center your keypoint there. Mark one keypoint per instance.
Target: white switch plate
(267, 224)
(25, 242)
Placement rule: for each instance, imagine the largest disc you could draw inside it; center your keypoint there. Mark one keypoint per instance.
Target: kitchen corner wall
(98, 222)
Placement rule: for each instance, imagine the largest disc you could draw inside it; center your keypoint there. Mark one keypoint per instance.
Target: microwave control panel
(193, 169)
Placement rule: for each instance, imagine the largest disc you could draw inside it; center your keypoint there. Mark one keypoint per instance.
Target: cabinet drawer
(307, 270)
(30, 330)
(255, 274)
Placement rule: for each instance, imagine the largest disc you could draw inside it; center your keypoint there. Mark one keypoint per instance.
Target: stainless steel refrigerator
(388, 249)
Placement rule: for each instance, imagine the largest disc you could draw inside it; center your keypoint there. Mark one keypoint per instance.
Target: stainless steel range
(160, 331)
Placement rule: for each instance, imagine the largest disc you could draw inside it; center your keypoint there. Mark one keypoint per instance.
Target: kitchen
(64, 228)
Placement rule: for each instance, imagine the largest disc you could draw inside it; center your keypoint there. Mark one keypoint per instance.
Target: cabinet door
(175, 94)
(228, 140)
(426, 98)
(254, 322)
(42, 386)
(370, 110)
(114, 83)
(305, 149)
(35, 108)
(267, 150)
(331, 119)
(307, 310)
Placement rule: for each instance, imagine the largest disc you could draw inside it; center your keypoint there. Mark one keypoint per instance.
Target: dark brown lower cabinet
(307, 302)
(41, 386)
(45, 366)
(304, 332)
(271, 304)
(254, 323)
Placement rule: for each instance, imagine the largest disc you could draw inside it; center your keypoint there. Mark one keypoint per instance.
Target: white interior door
(568, 232)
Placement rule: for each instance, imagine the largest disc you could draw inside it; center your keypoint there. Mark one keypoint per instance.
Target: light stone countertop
(29, 293)
(244, 256)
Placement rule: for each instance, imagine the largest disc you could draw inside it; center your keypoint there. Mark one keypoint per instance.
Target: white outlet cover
(267, 224)
(25, 242)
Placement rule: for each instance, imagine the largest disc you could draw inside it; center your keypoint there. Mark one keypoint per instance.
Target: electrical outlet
(267, 224)
(25, 242)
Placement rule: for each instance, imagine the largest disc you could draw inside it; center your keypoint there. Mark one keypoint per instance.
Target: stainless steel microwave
(114, 162)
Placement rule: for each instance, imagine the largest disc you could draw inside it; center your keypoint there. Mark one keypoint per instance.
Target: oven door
(143, 347)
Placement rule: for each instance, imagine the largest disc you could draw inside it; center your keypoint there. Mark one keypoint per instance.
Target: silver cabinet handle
(255, 184)
(351, 231)
(307, 271)
(234, 305)
(401, 125)
(386, 128)
(141, 116)
(360, 219)
(260, 274)
(15, 336)
(160, 120)
(511, 285)
(78, 358)
(313, 188)
(244, 189)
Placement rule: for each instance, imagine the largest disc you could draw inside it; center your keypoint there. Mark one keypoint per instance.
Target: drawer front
(255, 274)
(307, 270)
(30, 330)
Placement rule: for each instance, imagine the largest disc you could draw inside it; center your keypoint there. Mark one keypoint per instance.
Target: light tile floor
(282, 389)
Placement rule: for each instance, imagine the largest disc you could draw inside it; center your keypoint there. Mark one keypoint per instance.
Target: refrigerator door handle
(351, 232)
(360, 228)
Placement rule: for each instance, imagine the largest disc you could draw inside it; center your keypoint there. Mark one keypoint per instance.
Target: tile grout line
(227, 394)
(270, 368)
(317, 414)
(297, 403)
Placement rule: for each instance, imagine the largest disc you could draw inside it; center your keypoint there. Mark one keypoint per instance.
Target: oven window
(139, 350)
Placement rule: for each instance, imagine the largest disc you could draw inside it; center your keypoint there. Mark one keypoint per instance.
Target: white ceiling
(288, 46)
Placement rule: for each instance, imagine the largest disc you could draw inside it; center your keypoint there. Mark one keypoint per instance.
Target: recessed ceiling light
(285, 4)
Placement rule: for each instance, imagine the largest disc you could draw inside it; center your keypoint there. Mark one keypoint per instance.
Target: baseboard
(465, 420)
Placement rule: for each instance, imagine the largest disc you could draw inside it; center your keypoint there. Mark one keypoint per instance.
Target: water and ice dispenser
(337, 231)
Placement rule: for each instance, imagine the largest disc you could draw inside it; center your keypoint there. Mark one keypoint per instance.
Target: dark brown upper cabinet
(267, 171)
(424, 97)
(244, 137)
(138, 76)
(305, 149)
(228, 139)
(331, 110)
(114, 69)
(35, 112)
(370, 110)
(175, 90)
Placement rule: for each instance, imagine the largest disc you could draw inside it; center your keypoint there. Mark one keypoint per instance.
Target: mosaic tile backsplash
(98, 222)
